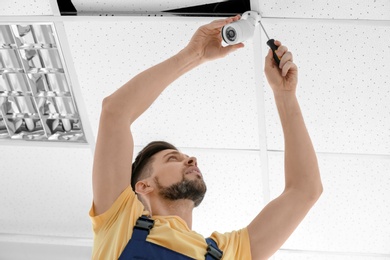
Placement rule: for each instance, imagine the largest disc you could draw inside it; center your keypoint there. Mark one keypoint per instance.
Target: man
(152, 217)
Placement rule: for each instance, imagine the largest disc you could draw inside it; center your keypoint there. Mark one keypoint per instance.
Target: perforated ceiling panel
(298, 255)
(135, 6)
(343, 88)
(25, 7)
(328, 9)
(45, 191)
(352, 213)
(222, 92)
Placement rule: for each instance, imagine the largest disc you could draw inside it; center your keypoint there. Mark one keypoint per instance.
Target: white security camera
(242, 29)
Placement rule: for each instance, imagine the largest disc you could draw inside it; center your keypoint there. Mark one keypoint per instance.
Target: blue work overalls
(140, 249)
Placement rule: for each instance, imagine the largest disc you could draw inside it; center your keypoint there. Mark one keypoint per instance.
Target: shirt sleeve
(127, 202)
(235, 244)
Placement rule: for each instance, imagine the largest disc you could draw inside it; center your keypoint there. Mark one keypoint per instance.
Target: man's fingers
(289, 65)
(230, 48)
(281, 51)
(269, 60)
(286, 57)
(286, 61)
(218, 24)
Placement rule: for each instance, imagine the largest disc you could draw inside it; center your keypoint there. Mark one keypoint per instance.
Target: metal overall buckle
(213, 251)
(144, 223)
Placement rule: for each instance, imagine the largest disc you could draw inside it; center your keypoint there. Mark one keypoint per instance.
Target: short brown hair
(141, 167)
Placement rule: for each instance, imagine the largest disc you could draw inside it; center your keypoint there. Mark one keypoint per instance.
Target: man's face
(177, 177)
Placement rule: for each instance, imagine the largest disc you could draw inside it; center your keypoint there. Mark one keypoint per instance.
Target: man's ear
(143, 187)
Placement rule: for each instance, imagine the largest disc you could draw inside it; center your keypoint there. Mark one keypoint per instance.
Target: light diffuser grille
(36, 102)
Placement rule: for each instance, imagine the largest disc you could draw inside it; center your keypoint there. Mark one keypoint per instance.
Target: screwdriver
(271, 44)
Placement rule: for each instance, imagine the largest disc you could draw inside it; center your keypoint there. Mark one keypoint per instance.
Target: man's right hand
(206, 43)
(282, 79)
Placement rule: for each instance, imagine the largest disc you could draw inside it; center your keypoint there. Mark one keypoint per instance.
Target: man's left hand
(207, 40)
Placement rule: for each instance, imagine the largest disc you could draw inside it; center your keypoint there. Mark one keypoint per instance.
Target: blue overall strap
(213, 252)
(139, 248)
(144, 225)
(141, 230)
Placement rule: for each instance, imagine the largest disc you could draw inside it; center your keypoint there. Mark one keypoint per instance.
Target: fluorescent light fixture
(36, 101)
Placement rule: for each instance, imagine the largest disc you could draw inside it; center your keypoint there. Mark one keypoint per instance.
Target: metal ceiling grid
(224, 95)
(351, 216)
(343, 84)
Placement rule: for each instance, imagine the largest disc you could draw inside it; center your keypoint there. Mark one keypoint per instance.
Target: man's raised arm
(114, 147)
(275, 223)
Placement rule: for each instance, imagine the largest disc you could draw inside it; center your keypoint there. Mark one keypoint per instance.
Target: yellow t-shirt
(113, 229)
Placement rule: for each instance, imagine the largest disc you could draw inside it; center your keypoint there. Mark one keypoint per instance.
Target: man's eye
(172, 157)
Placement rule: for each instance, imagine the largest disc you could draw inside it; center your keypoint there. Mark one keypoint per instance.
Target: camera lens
(231, 33)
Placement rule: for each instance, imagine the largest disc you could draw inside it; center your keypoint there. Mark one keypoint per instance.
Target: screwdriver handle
(271, 44)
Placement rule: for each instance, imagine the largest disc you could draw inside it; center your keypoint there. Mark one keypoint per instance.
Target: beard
(194, 190)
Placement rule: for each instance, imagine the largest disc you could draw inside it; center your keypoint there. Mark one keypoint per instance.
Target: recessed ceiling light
(36, 100)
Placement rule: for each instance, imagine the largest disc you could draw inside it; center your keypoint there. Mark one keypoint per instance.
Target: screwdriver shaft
(271, 44)
(264, 30)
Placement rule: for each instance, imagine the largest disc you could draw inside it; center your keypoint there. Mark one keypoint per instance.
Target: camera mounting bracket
(252, 16)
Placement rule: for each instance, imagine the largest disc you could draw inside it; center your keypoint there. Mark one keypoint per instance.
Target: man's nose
(192, 161)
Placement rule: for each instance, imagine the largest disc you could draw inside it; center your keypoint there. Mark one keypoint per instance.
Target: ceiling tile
(25, 7)
(328, 9)
(343, 88)
(213, 106)
(46, 191)
(20, 251)
(352, 213)
(291, 255)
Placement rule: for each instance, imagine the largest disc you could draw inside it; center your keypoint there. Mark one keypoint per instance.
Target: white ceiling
(224, 114)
